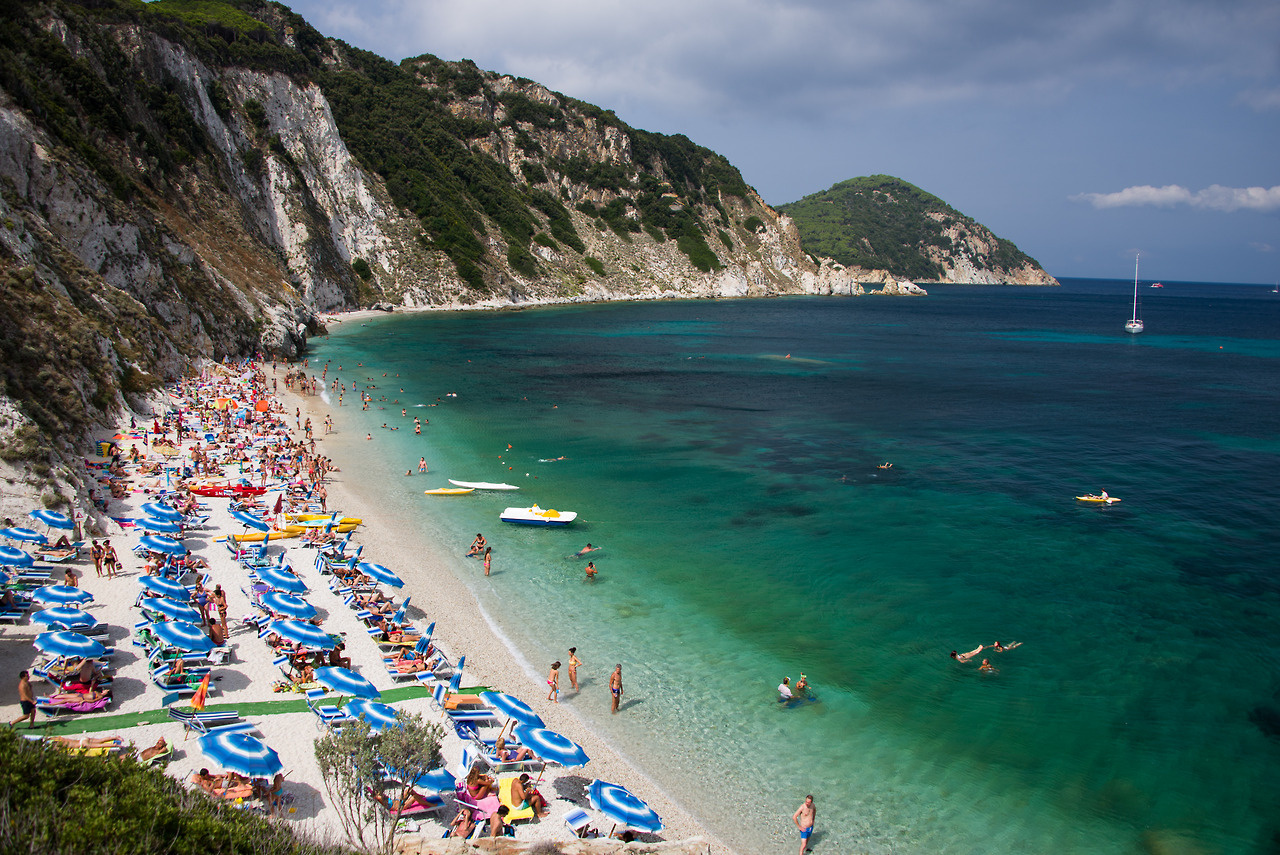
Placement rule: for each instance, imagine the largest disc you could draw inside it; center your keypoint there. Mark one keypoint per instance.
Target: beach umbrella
(250, 521)
(172, 609)
(382, 574)
(161, 511)
(60, 595)
(63, 643)
(53, 519)
(379, 716)
(164, 587)
(182, 635)
(622, 806)
(551, 746)
(513, 708)
(285, 580)
(14, 557)
(26, 535)
(159, 543)
(346, 682)
(65, 617)
(153, 524)
(302, 633)
(239, 752)
(288, 604)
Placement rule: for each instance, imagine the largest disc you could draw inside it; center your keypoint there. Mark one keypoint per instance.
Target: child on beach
(553, 680)
(488, 559)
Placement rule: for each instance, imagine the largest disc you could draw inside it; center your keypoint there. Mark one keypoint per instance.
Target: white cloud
(1215, 197)
(1261, 99)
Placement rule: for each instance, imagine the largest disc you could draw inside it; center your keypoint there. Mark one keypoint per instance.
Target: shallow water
(725, 455)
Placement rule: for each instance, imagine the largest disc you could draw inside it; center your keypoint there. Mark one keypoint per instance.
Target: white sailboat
(1134, 325)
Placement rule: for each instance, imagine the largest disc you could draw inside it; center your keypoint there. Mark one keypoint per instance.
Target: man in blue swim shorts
(804, 818)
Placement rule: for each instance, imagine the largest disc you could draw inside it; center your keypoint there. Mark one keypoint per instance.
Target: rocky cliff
(184, 180)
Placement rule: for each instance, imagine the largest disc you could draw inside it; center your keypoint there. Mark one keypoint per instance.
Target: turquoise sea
(725, 455)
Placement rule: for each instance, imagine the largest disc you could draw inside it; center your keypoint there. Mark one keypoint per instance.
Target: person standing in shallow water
(488, 559)
(574, 663)
(615, 686)
(804, 817)
(553, 681)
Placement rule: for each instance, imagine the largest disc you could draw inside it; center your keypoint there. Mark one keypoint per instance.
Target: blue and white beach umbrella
(154, 524)
(172, 609)
(63, 643)
(622, 806)
(512, 707)
(161, 511)
(288, 604)
(65, 617)
(182, 635)
(53, 519)
(551, 746)
(160, 543)
(285, 580)
(250, 521)
(12, 556)
(60, 595)
(382, 574)
(165, 588)
(379, 716)
(26, 535)
(302, 633)
(239, 752)
(344, 681)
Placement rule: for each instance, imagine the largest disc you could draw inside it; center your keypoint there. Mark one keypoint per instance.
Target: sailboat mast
(1135, 284)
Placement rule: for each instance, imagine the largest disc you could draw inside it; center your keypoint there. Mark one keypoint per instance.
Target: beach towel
(53, 707)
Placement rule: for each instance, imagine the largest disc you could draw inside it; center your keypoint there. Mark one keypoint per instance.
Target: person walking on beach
(488, 559)
(27, 699)
(574, 664)
(110, 561)
(220, 600)
(553, 680)
(615, 686)
(95, 552)
(804, 818)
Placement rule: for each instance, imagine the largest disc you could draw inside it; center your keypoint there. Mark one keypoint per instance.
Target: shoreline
(466, 628)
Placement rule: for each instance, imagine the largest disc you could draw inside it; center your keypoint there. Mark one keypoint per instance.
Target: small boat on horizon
(482, 485)
(1102, 499)
(1155, 285)
(1134, 324)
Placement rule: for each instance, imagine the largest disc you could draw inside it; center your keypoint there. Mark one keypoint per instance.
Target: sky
(1083, 131)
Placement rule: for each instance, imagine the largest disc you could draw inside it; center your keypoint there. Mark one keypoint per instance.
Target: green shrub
(724, 239)
(595, 264)
(256, 114)
(362, 269)
(753, 224)
(533, 172)
(544, 239)
(521, 260)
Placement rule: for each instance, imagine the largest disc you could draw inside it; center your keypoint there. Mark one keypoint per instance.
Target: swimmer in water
(1001, 648)
(987, 666)
(584, 550)
(965, 657)
(591, 570)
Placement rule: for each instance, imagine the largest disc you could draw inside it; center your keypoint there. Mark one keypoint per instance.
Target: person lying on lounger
(415, 801)
(74, 697)
(154, 751)
(463, 823)
(408, 662)
(86, 743)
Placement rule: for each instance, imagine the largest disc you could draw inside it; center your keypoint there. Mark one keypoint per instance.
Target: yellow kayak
(449, 491)
(274, 534)
(1098, 500)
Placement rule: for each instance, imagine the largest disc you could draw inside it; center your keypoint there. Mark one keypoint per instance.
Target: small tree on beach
(352, 762)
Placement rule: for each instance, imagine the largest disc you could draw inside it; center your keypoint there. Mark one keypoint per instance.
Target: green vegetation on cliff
(884, 222)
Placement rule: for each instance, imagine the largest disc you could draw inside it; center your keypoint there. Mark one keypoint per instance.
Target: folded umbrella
(250, 521)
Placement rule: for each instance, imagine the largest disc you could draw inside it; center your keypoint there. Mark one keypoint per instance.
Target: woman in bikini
(553, 680)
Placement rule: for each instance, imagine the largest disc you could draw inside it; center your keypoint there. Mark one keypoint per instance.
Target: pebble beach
(250, 678)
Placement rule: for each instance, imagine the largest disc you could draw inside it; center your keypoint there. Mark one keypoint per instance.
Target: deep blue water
(726, 455)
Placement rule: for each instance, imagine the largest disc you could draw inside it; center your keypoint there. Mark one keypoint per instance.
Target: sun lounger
(184, 684)
(577, 820)
(327, 715)
(14, 615)
(56, 706)
(223, 721)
